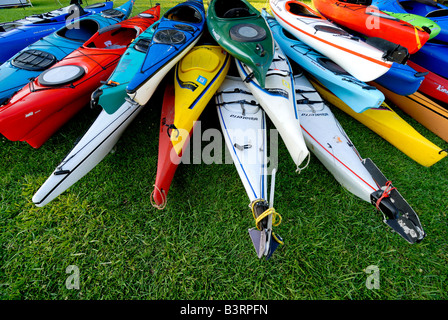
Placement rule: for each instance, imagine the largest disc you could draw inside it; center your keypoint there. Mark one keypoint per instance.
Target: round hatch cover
(245, 32)
(61, 75)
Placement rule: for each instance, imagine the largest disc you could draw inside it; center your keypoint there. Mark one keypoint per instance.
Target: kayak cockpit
(233, 9)
(112, 37)
(184, 14)
(82, 32)
(299, 10)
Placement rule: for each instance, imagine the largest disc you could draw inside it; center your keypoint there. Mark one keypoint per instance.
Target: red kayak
(168, 159)
(433, 85)
(45, 104)
(372, 22)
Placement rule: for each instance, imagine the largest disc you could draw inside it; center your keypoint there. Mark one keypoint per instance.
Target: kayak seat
(82, 31)
(34, 60)
(196, 60)
(299, 10)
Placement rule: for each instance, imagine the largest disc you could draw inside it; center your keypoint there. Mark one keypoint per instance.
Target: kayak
(433, 85)
(112, 93)
(238, 27)
(93, 147)
(34, 59)
(427, 24)
(402, 79)
(328, 141)
(360, 59)
(372, 22)
(433, 57)
(20, 35)
(196, 79)
(430, 114)
(430, 9)
(278, 100)
(243, 123)
(41, 107)
(178, 31)
(391, 127)
(357, 94)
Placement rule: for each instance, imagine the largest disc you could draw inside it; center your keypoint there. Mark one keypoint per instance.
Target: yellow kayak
(391, 127)
(197, 77)
(426, 111)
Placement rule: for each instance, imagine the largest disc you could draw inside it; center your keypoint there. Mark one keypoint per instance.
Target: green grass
(198, 247)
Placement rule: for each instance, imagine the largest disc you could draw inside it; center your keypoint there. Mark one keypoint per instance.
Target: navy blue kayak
(426, 8)
(433, 56)
(401, 79)
(41, 55)
(13, 39)
(178, 31)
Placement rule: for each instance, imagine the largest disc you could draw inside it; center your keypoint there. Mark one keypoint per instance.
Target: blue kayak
(426, 8)
(433, 56)
(12, 40)
(111, 95)
(41, 55)
(178, 31)
(401, 79)
(356, 94)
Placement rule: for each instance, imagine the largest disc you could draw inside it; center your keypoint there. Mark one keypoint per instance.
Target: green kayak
(240, 29)
(418, 21)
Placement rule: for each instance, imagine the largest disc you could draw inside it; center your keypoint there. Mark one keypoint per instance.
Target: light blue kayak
(31, 61)
(356, 94)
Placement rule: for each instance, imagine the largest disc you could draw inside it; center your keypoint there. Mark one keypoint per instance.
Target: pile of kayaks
(289, 67)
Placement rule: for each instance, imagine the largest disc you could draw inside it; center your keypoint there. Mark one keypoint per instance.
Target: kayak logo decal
(442, 89)
(202, 80)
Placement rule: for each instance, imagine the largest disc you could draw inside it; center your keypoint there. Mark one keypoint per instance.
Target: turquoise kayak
(356, 94)
(111, 95)
(20, 35)
(31, 61)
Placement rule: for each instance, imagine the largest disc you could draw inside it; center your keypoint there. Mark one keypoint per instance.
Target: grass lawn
(198, 246)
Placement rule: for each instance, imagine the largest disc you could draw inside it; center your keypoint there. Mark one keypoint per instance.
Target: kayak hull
(93, 147)
(40, 108)
(172, 40)
(357, 94)
(238, 27)
(196, 79)
(358, 58)
(433, 85)
(372, 22)
(391, 127)
(421, 108)
(16, 72)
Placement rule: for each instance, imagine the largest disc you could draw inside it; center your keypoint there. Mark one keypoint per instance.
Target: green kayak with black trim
(240, 29)
(418, 21)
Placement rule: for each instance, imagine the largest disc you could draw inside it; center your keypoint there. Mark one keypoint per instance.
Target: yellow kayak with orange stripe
(426, 111)
(197, 77)
(391, 127)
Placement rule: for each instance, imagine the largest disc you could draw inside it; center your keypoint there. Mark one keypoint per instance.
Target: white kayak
(243, 123)
(328, 141)
(357, 57)
(93, 147)
(278, 101)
